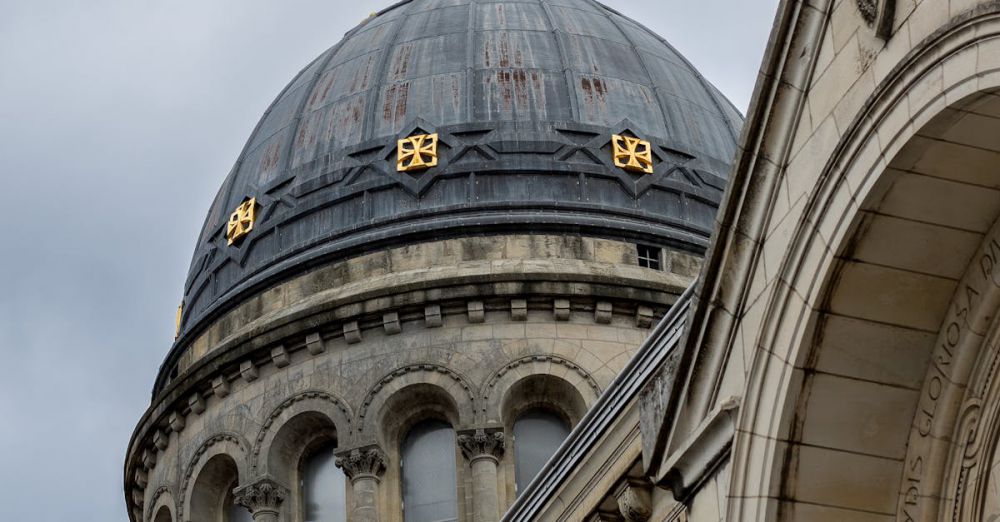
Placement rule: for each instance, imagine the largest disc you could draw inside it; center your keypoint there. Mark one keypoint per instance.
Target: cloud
(118, 121)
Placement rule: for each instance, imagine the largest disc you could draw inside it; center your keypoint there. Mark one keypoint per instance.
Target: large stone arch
(417, 394)
(218, 463)
(538, 381)
(447, 388)
(298, 427)
(973, 474)
(848, 337)
(212, 487)
(294, 425)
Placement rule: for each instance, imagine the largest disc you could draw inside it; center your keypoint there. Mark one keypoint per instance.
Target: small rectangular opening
(649, 256)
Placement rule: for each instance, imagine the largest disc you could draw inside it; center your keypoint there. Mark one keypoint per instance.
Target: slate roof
(524, 95)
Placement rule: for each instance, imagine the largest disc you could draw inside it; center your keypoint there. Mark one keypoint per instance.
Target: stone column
(484, 448)
(262, 498)
(364, 467)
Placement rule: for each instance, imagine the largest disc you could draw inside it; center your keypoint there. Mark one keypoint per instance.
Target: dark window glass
(537, 436)
(324, 488)
(430, 489)
(649, 256)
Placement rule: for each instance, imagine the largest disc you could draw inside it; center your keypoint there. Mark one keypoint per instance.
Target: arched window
(538, 434)
(324, 488)
(212, 494)
(430, 488)
(163, 515)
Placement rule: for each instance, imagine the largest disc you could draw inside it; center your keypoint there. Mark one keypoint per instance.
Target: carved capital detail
(634, 501)
(869, 10)
(362, 462)
(482, 443)
(263, 496)
(879, 14)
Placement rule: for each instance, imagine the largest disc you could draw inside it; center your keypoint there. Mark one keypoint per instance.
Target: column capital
(365, 462)
(483, 443)
(263, 496)
(633, 498)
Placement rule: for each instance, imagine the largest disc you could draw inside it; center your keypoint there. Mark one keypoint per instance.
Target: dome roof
(524, 97)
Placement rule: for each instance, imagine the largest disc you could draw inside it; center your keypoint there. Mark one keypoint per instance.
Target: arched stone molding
(529, 386)
(503, 391)
(224, 452)
(782, 388)
(163, 514)
(413, 403)
(422, 392)
(162, 502)
(974, 460)
(951, 445)
(537, 386)
(295, 430)
(298, 422)
(447, 390)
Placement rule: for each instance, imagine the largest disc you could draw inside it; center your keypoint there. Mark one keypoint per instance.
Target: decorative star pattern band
(577, 150)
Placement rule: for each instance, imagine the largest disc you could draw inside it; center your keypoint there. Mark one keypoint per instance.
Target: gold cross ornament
(632, 154)
(241, 221)
(180, 314)
(417, 153)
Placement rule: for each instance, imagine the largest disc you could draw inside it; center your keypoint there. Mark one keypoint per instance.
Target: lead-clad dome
(524, 97)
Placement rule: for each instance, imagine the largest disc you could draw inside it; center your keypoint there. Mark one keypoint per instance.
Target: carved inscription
(961, 335)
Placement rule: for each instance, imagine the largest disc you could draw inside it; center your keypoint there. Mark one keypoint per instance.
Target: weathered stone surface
(518, 309)
(603, 312)
(249, 371)
(390, 322)
(314, 343)
(352, 332)
(432, 316)
(477, 313)
(561, 309)
(220, 386)
(197, 404)
(280, 357)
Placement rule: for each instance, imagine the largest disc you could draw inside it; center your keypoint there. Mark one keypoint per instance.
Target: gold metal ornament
(177, 326)
(241, 220)
(632, 154)
(417, 153)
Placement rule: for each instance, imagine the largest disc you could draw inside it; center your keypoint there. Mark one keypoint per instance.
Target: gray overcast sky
(119, 119)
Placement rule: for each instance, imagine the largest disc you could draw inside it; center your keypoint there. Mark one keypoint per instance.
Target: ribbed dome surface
(525, 96)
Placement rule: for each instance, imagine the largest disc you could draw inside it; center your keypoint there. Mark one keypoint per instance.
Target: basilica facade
(518, 260)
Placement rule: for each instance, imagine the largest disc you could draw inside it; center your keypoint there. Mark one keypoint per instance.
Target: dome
(524, 98)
